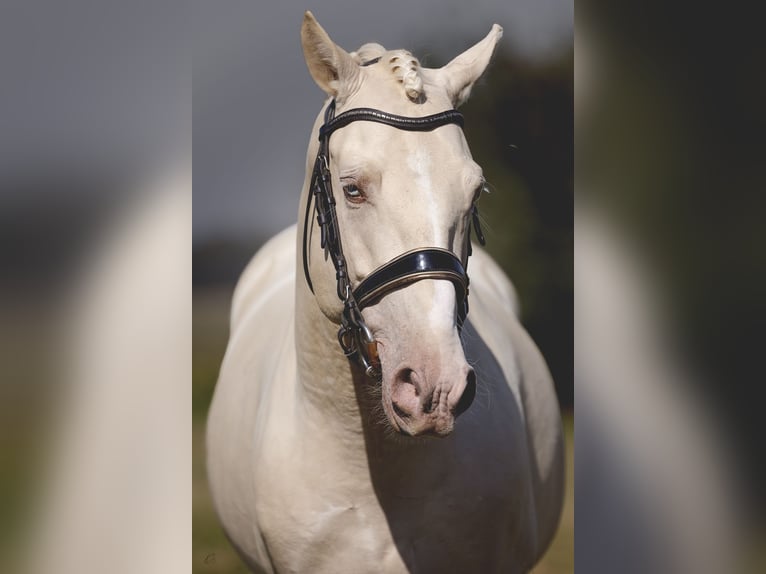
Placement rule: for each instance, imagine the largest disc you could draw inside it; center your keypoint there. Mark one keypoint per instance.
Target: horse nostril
(399, 411)
(405, 393)
(468, 394)
(405, 376)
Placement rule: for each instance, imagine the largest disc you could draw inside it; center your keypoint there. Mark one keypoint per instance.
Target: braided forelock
(401, 63)
(406, 69)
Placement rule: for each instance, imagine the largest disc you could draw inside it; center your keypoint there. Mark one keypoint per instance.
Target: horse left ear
(333, 69)
(461, 73)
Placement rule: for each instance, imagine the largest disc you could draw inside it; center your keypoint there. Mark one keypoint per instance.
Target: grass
(212, 553)
(559, 559)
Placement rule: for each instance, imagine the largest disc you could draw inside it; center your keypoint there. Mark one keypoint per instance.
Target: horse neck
(327, 379)
(341, 405)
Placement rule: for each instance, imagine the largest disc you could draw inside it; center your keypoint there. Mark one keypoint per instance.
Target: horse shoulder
(494, 314)
(270, 267)
(251, 402)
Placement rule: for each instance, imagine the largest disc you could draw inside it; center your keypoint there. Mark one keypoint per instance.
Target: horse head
(396, 190)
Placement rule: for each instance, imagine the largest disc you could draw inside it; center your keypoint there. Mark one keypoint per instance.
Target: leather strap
(320, 193)
(320, 188)
(354, 336)
(431, 263)
(422, 124)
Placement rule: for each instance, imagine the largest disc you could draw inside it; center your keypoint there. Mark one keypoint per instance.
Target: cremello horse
(309, 463)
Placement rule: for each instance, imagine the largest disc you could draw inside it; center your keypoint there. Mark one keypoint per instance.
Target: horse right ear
(461, 73)
(332, 68)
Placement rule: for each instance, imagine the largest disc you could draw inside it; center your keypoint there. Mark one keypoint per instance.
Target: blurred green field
(212, 553)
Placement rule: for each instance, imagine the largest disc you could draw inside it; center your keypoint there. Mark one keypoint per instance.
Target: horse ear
(332, 68)
(461, 73)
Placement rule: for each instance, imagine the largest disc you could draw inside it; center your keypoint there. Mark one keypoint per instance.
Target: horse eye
(353, 193)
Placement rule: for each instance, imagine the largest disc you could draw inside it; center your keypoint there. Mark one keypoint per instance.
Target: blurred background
(254, 105)
(95, 294)
(95, 223)
(669, 285)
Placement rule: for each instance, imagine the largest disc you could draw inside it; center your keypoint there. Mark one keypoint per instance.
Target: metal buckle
(345, 338)
(355, 337)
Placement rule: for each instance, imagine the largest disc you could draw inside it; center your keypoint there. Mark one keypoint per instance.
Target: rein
(354, 336)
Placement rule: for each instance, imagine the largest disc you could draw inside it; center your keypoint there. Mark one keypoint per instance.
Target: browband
(422, 124)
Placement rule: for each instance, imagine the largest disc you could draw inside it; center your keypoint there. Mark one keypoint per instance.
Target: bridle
(354, 336)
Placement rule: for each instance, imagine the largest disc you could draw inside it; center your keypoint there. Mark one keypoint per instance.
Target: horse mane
(404, 67)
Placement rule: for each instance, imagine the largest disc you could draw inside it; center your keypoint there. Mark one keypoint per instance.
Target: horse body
(307, 477)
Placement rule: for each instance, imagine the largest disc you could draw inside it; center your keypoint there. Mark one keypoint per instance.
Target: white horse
(312, 463)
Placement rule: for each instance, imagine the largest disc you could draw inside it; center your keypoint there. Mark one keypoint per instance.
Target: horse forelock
(406, 69)
(403, 66)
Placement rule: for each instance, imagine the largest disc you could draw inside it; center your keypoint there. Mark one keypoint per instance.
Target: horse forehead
(442, 152)
(437, 163)
(432, 156)
(419, 161)
(426, 169)
(431, 170)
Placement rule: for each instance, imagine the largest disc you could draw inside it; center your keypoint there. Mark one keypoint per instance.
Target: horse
(366, 418)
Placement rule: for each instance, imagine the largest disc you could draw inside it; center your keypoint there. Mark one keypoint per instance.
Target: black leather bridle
(354, 336)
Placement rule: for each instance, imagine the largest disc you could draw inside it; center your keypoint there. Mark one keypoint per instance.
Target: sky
(254, 101)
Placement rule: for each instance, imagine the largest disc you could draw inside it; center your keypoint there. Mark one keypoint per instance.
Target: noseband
(354, 336)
